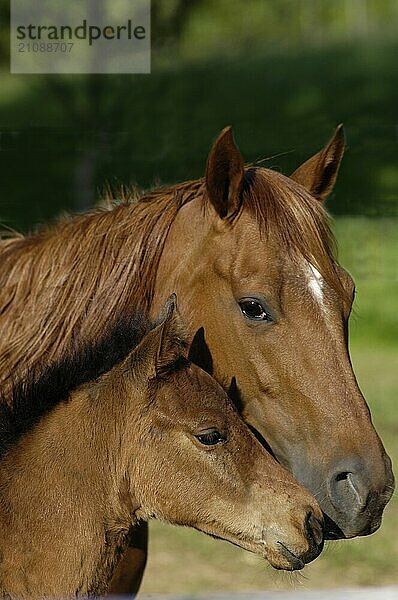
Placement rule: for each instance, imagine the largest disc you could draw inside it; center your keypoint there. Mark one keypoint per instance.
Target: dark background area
(284, 73)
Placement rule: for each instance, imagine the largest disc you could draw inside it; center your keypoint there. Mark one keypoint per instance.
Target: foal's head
(192, 461)
(259, 285)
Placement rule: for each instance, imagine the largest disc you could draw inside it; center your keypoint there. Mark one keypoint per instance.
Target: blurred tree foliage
(229, 25)
(4, 32)
(169, 20)
(283, 72)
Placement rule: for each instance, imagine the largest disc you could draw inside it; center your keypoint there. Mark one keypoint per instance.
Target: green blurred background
(284, 73)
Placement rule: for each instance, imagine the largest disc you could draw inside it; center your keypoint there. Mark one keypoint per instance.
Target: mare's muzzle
(352, 496)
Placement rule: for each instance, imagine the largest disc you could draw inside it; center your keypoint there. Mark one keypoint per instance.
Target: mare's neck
(64, 504)
(189, 250)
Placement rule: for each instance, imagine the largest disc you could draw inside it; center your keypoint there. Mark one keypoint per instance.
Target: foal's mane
(85, 361)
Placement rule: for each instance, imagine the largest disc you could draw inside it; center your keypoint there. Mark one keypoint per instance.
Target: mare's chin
(331, 530)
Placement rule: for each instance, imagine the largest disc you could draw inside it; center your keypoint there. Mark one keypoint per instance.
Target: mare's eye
(253, 310)
(210, 438)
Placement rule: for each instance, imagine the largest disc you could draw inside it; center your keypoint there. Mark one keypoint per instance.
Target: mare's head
(194, 462)
(259, 285)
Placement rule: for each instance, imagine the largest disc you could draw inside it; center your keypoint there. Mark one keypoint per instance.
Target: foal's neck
(63, 516)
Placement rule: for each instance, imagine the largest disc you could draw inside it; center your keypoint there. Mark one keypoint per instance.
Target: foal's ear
(162, 347)
(172, 343)
(224, 175)
(318, 173)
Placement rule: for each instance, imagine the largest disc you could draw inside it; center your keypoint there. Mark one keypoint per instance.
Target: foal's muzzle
(295, 556)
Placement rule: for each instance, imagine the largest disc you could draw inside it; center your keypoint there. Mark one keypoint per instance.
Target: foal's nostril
(313, 529)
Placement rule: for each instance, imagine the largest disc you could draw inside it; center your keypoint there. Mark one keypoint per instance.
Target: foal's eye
(253, 310)
(210, 438)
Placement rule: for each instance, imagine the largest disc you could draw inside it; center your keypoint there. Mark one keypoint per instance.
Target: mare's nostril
(351, 481)
(349, 491)
(314, 529)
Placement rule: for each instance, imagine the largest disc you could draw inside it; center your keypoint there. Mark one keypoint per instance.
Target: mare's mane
(282, 208)
(285, 211)
(65, 280)
(39, 393)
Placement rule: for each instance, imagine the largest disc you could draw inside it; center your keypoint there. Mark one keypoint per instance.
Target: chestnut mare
(152, 436)
(249, 253)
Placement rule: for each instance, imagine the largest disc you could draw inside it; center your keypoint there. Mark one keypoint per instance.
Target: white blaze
(315, 283)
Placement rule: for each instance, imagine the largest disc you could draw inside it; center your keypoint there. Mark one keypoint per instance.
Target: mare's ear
(224, 175)
(172, 343)
(318, 173)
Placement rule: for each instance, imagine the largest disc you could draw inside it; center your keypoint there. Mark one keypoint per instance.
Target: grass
(184, 561)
